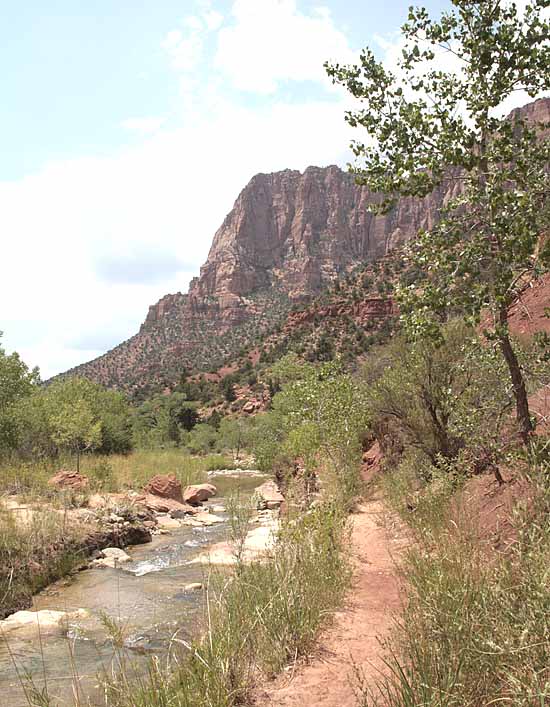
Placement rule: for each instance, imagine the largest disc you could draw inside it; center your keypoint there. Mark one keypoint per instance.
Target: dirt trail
(327, 679)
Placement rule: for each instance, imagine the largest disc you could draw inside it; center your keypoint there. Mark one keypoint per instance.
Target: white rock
(168, 523)
(193, 587)
(112, 557)
(206, 518)
(258, 542)
(46, 620)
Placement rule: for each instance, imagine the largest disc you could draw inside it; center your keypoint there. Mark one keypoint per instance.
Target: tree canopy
(436, 123)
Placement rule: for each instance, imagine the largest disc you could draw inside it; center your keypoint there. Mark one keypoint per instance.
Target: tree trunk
(520, 392)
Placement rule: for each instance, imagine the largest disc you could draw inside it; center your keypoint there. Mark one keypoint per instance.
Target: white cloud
(170, 192)
(185, 50)
(213, 19)
(270, 42)
(143, 126)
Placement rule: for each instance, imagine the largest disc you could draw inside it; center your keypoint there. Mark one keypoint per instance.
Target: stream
(145, 597)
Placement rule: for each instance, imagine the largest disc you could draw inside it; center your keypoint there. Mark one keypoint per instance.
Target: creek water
(145, 597)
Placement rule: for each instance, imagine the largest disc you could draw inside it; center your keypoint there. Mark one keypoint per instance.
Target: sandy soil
(327, 679)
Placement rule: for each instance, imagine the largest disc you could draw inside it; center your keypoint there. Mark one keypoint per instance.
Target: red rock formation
(299, 231)
(198, 493)
(66, 479)
(165, 486)
(287, 236)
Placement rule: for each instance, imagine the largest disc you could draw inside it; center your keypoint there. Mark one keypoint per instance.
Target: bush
(213, 462)
(440, 396)
(202, 439)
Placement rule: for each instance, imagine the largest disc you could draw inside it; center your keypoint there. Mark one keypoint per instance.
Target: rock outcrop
(165, 486)
(67, 479)
(288, 236)
(197, 493)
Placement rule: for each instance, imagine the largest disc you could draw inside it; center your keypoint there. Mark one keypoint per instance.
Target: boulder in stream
(167, 522)
(197, 493)
(112, 557)
(269, 496)
(193, 587)
(165, 486)
(165, 505)
(203, 518)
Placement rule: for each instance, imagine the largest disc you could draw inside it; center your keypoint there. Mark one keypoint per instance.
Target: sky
(128, 129)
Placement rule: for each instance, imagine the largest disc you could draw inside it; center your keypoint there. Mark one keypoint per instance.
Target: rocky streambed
(146, 599)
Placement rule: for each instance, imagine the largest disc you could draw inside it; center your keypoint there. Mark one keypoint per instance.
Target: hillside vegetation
(410, 373)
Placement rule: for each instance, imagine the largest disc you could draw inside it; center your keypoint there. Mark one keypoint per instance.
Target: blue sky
(127, 130)
(72, 72)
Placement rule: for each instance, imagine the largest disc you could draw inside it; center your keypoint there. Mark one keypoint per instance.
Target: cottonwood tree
(16, 383)
(75, 425)
(435, 122)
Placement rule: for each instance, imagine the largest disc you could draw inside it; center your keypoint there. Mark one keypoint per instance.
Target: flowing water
(145, 598)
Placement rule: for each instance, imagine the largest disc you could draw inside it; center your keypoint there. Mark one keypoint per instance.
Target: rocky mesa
(288, 235)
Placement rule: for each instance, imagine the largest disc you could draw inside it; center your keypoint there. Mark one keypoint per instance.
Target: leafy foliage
(487, 240)
(320, 412)
(16, 383)
(440, 397)
(74, 415)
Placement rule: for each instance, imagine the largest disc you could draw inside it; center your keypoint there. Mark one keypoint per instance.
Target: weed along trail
(352, 642)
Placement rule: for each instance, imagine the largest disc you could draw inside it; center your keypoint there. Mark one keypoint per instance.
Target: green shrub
(213, 462)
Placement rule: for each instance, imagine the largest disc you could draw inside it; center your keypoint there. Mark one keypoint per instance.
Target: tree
(431, 127)
(183, 412)
(228, 389)
(440, 397)
(75, 425)
(202, 438)
(320, 412)
(234, 434)
(113, 409)
(16, 383)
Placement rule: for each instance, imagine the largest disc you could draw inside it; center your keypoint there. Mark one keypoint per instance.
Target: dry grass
(258, 619)
(476, 627)
(34, 551)
(112, 473)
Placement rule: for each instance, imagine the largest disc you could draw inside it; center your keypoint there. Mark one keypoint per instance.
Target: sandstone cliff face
(299, 231)
(287, 237)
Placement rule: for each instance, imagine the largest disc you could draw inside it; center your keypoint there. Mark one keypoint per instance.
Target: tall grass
(34, 552)
(476, 627)
(111, 473)
(259, 618)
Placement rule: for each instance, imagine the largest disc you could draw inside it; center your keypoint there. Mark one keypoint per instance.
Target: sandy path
(327, 679)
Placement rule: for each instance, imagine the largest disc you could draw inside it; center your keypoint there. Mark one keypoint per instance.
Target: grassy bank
(34, 552)
(259, 618)
(112, 473)
(475, 630)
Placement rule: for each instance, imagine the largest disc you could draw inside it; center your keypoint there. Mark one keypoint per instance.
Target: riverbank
(48, 531)
(84, 627)
(46, 537)
(41, 543)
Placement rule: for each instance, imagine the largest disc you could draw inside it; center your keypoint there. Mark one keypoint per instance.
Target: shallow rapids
(145, 600)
